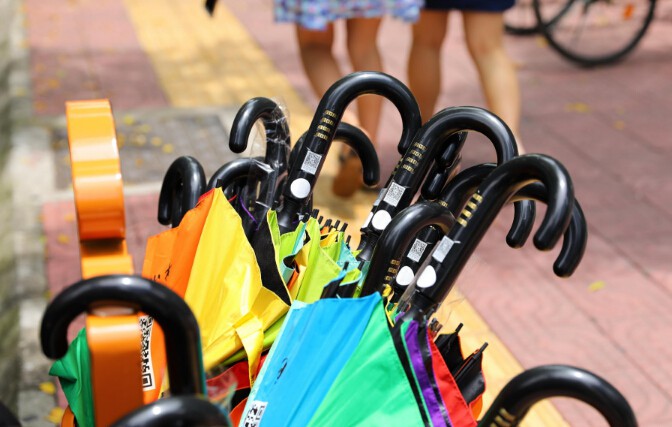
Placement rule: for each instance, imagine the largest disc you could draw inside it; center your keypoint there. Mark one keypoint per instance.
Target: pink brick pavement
(87, 50)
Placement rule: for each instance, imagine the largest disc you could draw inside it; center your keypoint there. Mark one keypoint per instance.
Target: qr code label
(394, 193)
(311, 162)
(147, 370)
(253, 417)
(443, 248)
(417, 250)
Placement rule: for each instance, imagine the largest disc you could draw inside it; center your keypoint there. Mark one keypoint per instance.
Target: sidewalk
(176, 78)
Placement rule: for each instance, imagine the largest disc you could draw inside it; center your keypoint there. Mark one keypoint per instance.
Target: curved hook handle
(182, 336)
(355, 138)
(175, 411)
(183, 184)
(230, 172)
(275, 126)
(480, 212)
(457, 192)
(428, 144)
(298, 191)
(543, 382)
(444, 168)
(397, 237)
(343, 92)
(575, 238)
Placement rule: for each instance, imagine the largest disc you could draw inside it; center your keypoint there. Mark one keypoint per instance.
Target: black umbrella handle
(350, 136)
(428, 144)
(436, 280)
(237, 170)
(458, 191)
(275, 126)
(444, 168)
(304, 171)
(355, 138)
(397, 238)
(7, 418)
(544, 382)
(575, 238)
(183, 184)
(175, 411)
(182, 336)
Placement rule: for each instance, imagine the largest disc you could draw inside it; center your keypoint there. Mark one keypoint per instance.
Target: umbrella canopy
(313, 378)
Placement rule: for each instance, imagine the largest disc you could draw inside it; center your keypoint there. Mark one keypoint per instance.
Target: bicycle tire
(520, 20)
(554, 28)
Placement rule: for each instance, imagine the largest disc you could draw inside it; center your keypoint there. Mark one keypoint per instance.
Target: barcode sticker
(311, 162)
(253, 417)
(417, 250)
(443, 248)
(394, 194)
(147, 370)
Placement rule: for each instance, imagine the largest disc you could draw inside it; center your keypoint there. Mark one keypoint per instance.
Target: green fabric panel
(290, 244)
(321, 268)
(372, 389)
(74, 373)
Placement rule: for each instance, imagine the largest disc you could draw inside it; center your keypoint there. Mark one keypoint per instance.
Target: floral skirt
(316, 14)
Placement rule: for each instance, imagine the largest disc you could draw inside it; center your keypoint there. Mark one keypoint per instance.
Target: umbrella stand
(98, 188)
(114, 343)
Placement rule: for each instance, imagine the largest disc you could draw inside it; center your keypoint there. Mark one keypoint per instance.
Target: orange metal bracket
(97, 183)
(114, 341)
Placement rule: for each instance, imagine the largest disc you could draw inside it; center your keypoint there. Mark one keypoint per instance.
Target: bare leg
(364, 56)
(318, 62)
(424, 60)
(484, 34)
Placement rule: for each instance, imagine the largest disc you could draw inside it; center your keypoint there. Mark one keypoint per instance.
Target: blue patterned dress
(316, 14)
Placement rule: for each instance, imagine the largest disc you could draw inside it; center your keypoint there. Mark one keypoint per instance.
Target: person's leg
(424, 59)
(318, 61)
(364, 56)
(484, 33)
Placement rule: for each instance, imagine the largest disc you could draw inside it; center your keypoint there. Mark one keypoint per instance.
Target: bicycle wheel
(594, 32)
(520, 19)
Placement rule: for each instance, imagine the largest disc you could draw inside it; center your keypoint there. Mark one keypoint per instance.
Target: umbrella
(428, 144)
(448, 259)
(396, 238)
(304, 172)
(456, 195)
(182, 342)
(543, 382)
(313, 378)
(264, 175)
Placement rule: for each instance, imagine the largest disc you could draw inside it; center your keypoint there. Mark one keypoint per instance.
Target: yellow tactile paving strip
(211, 61)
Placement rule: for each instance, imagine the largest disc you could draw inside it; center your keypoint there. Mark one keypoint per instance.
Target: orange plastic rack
(114, 340)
